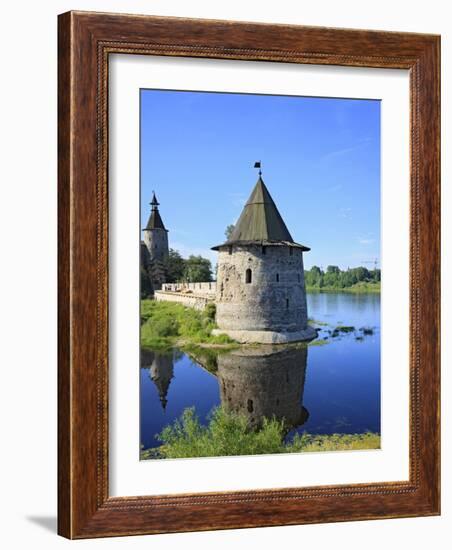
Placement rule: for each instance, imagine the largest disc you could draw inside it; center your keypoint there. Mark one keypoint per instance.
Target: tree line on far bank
(334, 277)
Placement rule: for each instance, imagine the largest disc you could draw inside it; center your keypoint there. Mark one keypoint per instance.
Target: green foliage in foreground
(165, 324)
(227, 434)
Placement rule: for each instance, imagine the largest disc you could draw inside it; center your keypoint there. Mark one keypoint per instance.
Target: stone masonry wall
(189, 300)
(274, 300)
(198, 288)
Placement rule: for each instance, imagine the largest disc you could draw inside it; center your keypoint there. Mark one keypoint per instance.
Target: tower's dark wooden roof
(155, 221)
(260, 222)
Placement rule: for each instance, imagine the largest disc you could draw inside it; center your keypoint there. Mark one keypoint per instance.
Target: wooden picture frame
(85, 42)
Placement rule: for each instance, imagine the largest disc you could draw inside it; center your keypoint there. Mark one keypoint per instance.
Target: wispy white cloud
(345, 212)
(346, 150)
(238, 199)
(181, 232)
(333, 188)
(366, 241)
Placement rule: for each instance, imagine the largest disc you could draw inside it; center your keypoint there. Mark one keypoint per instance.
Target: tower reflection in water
(265, 381)
(161, 372)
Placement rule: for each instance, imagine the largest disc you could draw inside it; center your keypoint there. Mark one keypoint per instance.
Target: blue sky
(320, 161)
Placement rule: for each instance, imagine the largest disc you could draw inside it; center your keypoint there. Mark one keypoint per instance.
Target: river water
(320, 389)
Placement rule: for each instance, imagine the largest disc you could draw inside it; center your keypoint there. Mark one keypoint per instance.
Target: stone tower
(261, 294)
(155, 234)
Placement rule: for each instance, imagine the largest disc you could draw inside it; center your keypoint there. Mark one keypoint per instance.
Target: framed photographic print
(248, 275)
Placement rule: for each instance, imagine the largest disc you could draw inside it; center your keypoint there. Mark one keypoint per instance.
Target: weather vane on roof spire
(258, 164)
(154, 202)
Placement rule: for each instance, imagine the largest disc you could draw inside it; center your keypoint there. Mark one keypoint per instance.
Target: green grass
(361, 287)
(228, 434)
(167, 324)
(307, 443)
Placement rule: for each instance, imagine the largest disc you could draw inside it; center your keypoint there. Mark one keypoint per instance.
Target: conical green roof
(155, 221)
(260, 221)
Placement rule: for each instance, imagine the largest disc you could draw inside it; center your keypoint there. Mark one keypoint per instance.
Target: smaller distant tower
(155, 234)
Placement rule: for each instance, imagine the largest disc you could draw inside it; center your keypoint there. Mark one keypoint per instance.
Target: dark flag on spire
(257, 164)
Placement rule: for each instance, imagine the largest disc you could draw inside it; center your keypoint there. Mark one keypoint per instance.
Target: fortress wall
(199, 288)
(195, 301)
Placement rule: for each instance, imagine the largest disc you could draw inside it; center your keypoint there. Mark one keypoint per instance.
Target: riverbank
(168, 325)
(165, 325)
(358, 288)
(228, 434)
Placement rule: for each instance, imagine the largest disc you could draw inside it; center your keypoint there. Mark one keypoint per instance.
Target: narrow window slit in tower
(287, 303)
(248, 276)
(277, 277)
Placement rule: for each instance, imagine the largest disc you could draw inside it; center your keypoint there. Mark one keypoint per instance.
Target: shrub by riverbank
(227, 434)
(168, 324)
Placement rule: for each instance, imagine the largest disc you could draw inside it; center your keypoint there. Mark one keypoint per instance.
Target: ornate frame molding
(85, 42)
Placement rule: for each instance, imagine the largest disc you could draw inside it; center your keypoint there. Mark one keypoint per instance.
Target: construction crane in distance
(374, 262)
